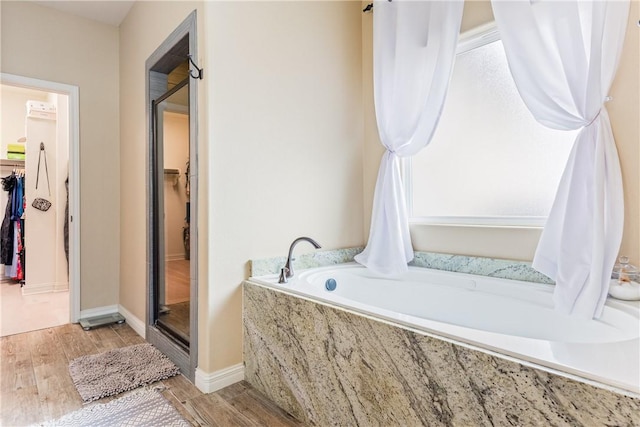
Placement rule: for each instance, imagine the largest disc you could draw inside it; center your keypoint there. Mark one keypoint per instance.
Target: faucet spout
(287, 270)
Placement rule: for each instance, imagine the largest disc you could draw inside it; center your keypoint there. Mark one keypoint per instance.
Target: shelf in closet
(9, 162)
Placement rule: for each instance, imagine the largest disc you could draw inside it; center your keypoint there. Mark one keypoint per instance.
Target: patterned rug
(119, 370)
(145, 407)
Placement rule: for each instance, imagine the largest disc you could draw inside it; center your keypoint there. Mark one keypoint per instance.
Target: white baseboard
(174, 257)
(214, 381)
(98, 311)
(133, 321)
(61, 287)
(42, 288)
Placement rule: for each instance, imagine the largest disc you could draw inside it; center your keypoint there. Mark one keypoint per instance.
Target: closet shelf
(9, 162)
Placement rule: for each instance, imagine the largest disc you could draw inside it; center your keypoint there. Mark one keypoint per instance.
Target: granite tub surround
(491, 267)
(505, 269)
(328, 366)
(262, 267)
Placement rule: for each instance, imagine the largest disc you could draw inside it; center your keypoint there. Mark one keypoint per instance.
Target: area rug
(146, 407)
(119, 370)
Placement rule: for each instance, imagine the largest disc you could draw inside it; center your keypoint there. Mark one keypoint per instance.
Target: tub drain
(330, 284)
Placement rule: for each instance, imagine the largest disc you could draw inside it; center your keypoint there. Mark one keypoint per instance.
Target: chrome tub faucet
(286, 272)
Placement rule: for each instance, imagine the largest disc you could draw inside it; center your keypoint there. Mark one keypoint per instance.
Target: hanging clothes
(19, 273)
(11, 270)
(7, 229)
(12, 230)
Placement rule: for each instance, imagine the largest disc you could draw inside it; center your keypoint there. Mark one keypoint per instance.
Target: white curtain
(414, 45)
(563, 56)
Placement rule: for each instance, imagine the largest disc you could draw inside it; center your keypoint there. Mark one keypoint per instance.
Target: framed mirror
(173, 296)
(172, 269)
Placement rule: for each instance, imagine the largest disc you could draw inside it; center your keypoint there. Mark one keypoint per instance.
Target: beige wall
(285, 144)
(13, 111)
(144, 29)
(509, 242)
(624, 112)
(176, 154)
(43, 43)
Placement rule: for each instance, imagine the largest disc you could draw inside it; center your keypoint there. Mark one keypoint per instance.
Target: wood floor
(177, 279)
(177, 297)
(178, 317)
(35, 385)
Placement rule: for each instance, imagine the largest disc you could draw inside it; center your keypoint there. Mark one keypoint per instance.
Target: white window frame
(469, 40)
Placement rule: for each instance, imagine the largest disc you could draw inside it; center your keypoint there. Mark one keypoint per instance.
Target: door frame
(163, 57)
(73, 92)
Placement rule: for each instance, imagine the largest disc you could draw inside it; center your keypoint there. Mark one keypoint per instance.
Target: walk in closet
(34, 235)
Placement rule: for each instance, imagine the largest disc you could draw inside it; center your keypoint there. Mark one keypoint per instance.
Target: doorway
(171, 199)
(40, 285)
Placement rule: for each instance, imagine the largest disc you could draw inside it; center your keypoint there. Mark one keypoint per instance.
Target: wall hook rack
(198, 75)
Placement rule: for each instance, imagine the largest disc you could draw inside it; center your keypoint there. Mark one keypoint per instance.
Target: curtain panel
(563, 56)
(414, 47)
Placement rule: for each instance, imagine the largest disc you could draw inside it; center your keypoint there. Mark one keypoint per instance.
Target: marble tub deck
(490, 267)
(327, 366)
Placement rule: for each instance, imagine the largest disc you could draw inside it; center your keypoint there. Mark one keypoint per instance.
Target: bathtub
(505, 318)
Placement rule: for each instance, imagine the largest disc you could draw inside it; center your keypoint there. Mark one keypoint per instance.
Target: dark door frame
(171, 53)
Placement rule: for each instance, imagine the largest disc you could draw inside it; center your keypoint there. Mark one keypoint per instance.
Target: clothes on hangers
(11, 231)
(7, 229)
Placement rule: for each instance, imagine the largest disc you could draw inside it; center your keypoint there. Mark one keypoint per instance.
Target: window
(490, 162)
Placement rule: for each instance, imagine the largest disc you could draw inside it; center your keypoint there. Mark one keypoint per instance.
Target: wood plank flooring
(178, 317)
(177, 297)
(35, 385)
(177, 279)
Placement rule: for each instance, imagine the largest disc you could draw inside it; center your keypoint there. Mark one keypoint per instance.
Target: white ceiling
(109, 12)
